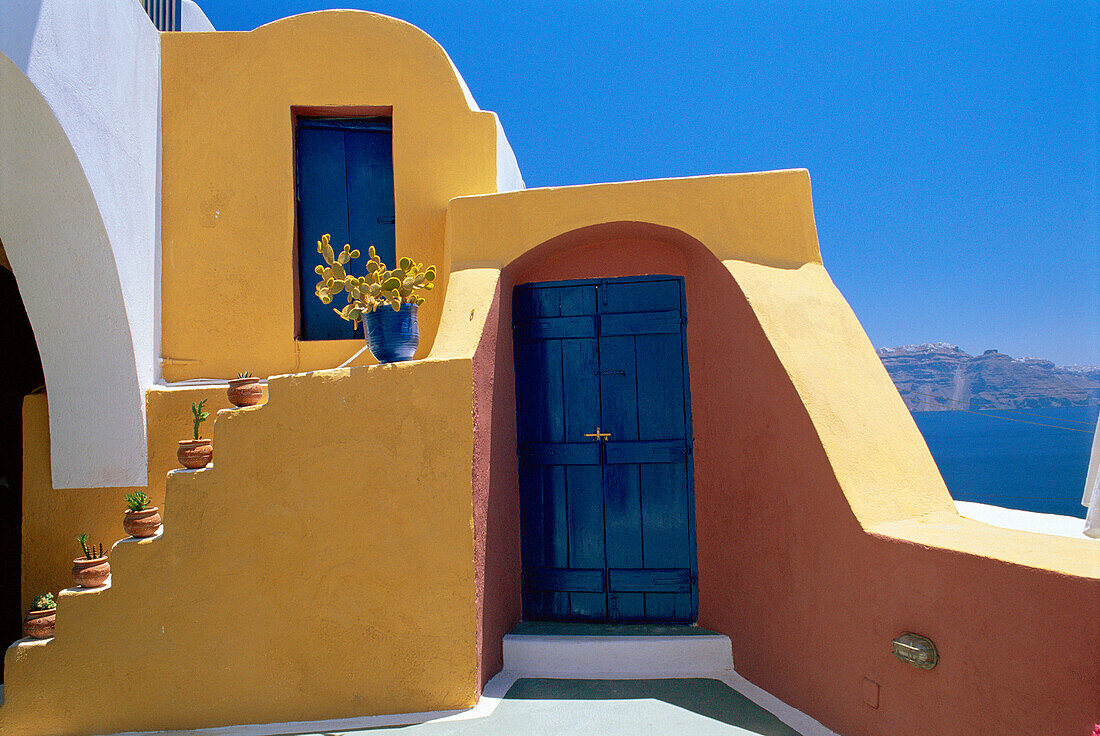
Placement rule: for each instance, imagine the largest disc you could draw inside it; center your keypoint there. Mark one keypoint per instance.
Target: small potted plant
(40, 619)
(245, 390)
(391, 335)
(93, 569)
(140, 520)
(196, 452)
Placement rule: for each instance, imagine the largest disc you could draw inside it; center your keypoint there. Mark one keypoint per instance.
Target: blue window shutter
(345, 189)
(322, 208)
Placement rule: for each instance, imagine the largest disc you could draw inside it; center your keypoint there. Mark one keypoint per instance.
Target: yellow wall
(228, 285)
(52, 518)
(322, 568)
(764, 217)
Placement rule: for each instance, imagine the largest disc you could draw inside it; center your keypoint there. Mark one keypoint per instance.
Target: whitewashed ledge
(1027, 521)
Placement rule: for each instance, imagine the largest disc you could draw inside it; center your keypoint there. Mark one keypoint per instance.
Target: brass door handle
(598, 435)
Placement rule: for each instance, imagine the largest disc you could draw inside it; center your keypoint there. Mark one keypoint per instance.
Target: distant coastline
(942, 377)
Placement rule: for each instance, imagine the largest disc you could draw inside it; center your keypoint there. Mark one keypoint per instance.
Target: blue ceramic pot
(392, 336)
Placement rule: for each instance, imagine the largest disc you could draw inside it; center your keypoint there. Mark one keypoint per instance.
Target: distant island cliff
(939, 376)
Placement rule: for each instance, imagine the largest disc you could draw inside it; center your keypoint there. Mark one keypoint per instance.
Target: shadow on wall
(20, 374)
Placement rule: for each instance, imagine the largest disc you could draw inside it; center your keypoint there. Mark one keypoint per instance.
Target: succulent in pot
(391, 335)
(245, 390)
(93, 569)
(40, 619)
(140, 520)
(196, 452)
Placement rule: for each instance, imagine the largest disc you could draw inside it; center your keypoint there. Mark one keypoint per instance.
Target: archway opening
(20, 374)
(744, 410)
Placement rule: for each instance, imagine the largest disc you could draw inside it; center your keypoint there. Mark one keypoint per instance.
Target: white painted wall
(79, 122)
(508, 177)
(192, 18)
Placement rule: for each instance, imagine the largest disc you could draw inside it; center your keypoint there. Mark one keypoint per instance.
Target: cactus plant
(90, 552)
(198, 416)
(44, 603)
(41, 618)
(142, 519)
(379, 287)
(244, 374)
(138, 501)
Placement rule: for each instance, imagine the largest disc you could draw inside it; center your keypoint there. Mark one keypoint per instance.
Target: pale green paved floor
(546, 707)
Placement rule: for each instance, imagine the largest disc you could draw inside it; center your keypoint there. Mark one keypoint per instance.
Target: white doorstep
(542, 655)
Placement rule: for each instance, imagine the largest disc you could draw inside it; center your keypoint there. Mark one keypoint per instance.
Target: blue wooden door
(345, 189)
(604, 434)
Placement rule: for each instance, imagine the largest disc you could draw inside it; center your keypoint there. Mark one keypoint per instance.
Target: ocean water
(1034, 459)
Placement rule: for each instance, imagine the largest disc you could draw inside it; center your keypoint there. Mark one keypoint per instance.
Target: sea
(1034, 460)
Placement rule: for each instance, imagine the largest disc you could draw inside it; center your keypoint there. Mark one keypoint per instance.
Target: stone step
(617, 656)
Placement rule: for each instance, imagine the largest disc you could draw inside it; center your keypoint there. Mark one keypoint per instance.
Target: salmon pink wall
(495, 497)
(809, 600)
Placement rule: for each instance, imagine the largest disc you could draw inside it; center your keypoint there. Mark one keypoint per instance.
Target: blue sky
(954, 148)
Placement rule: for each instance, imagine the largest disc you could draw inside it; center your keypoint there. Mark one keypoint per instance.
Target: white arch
(89, 295)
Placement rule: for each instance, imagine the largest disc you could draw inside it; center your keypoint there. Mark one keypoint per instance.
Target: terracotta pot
(245, 392)
(91, 573)
(195, 453)
(39, 624)
(141, 524)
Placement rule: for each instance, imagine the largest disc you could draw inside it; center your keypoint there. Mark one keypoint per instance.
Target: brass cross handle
(598, 435)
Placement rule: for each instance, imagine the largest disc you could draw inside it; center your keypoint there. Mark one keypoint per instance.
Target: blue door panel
(624, 529)
(585, 534)
(574, 300)
(585, 531)
(557, 328)
(560, 453)
(664, 516)
(665, 513)
(675, 580)
(539, 391)
(567, 580)
(643, 451)
(641, 323)
(543, 549)
(622, 498)
(626, 295)
(659, 390)
(581, 387)
(607, 520)
(669, 607)
(619, 392)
